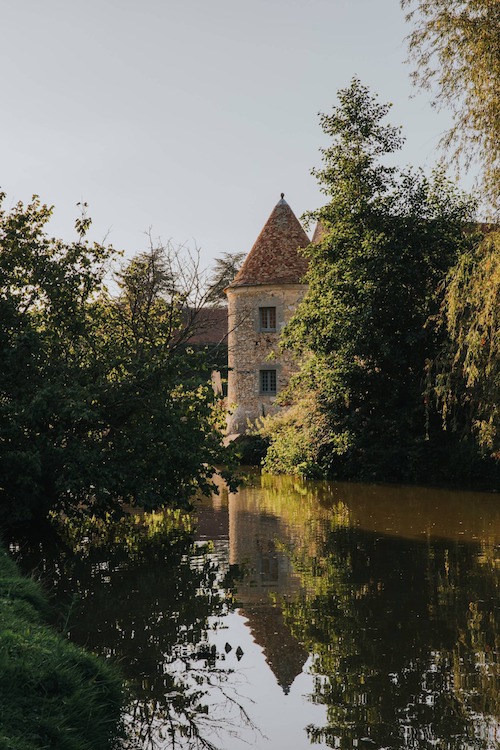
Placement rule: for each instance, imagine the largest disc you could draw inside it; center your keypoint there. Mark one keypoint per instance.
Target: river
(305, 613)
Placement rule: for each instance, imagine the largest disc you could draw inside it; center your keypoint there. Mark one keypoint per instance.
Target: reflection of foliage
(134, 592)
(374, 600)
(402, 629)
(299, 501)
(136, 534)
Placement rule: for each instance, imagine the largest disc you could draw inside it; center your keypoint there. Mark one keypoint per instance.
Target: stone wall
(251, 350)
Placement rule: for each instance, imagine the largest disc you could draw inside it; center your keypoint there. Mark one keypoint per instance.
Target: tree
(456, 47)
(163, 421)
(46, 293)
(465, 376)
(225, 269)
(300, 437)
(101, 399)
(361, 329)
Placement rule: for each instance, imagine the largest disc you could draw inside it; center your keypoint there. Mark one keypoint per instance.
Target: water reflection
(394, 593)
(330, 614)
(404, 642)
(145, 596)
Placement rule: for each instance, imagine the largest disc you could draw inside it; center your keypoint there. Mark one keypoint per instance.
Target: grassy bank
(53, 695)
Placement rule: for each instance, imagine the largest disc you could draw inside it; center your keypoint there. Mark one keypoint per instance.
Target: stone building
(261, 300)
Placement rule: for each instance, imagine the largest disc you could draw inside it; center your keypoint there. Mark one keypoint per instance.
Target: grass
(53, 695)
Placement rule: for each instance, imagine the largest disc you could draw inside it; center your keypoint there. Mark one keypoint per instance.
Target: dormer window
(267, 318)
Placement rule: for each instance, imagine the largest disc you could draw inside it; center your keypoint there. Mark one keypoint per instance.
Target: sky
(187, 117)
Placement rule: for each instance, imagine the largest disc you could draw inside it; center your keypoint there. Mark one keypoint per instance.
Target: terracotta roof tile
(274, 258)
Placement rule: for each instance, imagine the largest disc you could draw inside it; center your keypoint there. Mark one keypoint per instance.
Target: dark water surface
(323, 614)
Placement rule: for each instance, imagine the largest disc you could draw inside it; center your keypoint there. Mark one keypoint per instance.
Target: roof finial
(282, 196)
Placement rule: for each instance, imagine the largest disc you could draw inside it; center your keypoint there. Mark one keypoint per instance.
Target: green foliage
(351, 176)
(46, 291)
(53, 694)
(101, 399)
(465, 377)
(297, 439)
(388, 243)
(249, 449)
(456, 47)
(164, 421)
(223, 273)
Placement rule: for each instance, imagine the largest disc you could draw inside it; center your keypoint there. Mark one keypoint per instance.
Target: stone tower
(261, 299)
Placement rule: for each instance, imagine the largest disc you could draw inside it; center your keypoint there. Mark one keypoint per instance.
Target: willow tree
(466, 377)
(455, 45)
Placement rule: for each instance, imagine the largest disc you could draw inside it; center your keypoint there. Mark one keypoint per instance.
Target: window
(267, 318)
(268, 381)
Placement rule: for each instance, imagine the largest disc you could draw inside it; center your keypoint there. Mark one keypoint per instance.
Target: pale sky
(190, 116)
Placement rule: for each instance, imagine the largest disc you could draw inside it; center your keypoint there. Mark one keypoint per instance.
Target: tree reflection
(404, 637)
(139, 592)
(401, 624)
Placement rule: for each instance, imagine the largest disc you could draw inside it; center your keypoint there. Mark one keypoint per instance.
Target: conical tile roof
(274, 258)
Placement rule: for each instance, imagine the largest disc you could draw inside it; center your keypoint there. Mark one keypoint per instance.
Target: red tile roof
(274, 258)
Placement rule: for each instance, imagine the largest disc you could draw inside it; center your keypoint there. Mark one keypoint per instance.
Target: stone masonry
(261, 300)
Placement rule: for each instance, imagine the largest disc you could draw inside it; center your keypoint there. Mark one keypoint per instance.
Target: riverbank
(53, 694)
